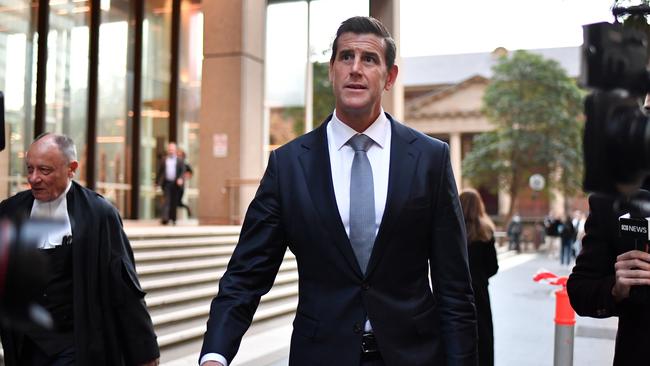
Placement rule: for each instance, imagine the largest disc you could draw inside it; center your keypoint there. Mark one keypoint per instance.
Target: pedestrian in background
(579, 224)
(568, 236)
(482, 265)
(187, 174)
(552, 226)
(169, 177)
(514, 233)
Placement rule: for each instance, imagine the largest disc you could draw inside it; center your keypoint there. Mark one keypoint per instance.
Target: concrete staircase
(180, 267)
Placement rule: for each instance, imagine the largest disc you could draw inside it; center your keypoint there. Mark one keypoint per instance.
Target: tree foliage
(323, 96)
(536, 110)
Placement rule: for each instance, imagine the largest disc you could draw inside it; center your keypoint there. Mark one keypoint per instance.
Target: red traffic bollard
(565, 319)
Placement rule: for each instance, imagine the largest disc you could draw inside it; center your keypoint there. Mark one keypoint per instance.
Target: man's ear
(73, 168)
(392, 76)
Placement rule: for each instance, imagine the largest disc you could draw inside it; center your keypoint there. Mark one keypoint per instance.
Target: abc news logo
(634, 229)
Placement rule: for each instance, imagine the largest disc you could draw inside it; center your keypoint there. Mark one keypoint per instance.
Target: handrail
(233, 188)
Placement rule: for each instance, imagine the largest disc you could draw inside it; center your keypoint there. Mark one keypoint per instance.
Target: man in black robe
(92, 292)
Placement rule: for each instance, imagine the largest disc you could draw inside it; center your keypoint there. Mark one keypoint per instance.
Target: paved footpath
(523, 313)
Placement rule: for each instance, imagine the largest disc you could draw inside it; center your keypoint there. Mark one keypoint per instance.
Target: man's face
(171, 149)
(359, 76)
(48, 172)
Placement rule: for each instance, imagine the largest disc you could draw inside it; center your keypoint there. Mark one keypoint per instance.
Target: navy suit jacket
(422, 230)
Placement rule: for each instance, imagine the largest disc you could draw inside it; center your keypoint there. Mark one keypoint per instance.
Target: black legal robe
(111, 323)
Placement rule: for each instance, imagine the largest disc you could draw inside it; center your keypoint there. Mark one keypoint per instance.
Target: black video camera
(23, 267)
(23, 272)
(617, 131)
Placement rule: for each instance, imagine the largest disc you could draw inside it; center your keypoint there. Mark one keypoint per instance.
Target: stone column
(387, 11)
(232, 113)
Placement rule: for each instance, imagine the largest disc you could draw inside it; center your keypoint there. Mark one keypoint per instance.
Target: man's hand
(632, 269)
(212, 363)
(179, 182)
(155, 362)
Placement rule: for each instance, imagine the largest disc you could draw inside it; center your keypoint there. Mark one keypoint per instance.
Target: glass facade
(18, 39)
(298, 43)
(112, 151)
(66, 85)
(189, 97)
(154, 118)
(134, 52)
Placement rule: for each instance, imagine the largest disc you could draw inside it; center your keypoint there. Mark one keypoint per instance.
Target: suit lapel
(403, 163)
(317, 169)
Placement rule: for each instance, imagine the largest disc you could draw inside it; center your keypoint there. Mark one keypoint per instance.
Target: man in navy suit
(365, 296)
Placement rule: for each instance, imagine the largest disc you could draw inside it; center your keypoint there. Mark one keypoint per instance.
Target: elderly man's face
(171, 149)
(48, 171)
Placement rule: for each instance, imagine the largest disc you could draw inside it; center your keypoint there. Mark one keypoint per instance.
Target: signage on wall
(220, 145)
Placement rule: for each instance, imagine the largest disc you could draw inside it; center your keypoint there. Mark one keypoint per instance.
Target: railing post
(565, 320)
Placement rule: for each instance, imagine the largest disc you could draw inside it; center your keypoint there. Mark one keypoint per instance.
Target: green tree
(537, 113)
(323, 102)
(323, 96)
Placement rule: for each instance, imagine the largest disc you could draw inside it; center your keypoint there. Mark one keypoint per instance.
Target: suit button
(365, 286)
(356, 328)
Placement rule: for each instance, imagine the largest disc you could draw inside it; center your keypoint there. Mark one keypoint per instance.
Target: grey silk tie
(362, 201)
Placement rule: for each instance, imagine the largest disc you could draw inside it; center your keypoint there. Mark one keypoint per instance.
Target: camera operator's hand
(632, 269)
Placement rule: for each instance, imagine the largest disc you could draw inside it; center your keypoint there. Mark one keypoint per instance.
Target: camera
(617, 132)
(23, 267)
(23, 272)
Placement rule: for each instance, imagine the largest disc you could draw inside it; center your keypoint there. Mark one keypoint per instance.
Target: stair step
(148, 285)
(139, 233)
(198, 331)
(183, 242)
(150, 269)
(203, 292)
(182, 253)
(188, 265)
(190, 304)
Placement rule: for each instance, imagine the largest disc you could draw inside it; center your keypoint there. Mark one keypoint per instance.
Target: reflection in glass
(156, 76)
(189, 93)
(323, 23)
(113, 154)
(17, 66)
(287, 76)
(286, 59)
(66, 86)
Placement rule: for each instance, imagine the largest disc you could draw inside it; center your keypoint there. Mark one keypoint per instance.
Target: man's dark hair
(367, 25)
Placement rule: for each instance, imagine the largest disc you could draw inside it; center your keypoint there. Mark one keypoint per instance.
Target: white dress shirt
(341, 156)
(170, 168)
(55, 209)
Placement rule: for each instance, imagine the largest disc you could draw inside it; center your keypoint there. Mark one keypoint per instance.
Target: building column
(232, 114)
(455, 147)
(387, 11)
